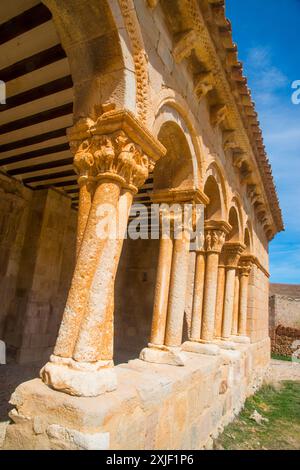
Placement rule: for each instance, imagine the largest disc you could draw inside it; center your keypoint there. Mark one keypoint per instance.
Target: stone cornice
(220, 32)
(204, 29)
(180, 196)
(218, 225)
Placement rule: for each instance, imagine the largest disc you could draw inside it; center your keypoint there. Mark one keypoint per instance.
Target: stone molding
(140, 58)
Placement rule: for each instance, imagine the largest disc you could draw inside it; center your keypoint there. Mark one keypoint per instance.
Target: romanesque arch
(215, 190)
(95, 46)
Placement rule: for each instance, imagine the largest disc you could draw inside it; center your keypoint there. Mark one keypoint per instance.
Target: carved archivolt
(139, 58)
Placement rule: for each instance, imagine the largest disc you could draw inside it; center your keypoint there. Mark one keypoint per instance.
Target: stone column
(117, 153)
(220, 298)
(161, 295)
(245, 270)
(170, 294)
(198, 296)
(235, 317)
(178, 282)
(86, 191)
(233, 252)
(215, 233)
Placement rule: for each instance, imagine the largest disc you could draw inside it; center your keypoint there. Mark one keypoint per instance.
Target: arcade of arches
(147, 343)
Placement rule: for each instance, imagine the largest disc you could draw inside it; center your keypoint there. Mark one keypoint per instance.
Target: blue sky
(267, 35)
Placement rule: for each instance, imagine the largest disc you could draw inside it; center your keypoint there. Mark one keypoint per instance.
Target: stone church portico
(152, 342)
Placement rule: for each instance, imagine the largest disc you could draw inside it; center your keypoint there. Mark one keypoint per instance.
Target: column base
(226, 344)
(81, 379)
(209, 349)
(240, 339)
(163, 355)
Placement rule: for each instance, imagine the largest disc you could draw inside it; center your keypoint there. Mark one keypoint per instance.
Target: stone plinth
(155, 406)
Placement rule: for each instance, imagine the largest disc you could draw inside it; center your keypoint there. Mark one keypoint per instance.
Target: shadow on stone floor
(12, 375)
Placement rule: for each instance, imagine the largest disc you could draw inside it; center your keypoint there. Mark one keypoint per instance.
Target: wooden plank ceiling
(39, 104)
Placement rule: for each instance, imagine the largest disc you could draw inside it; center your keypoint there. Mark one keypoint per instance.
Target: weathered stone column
(233, 252)
(245, 270)
(235, 316)
(86, 192)
(161, 294)
(178, 282)
(198, 295)
(117, 153)
(169, 305)
(215, 233)
(220, 298)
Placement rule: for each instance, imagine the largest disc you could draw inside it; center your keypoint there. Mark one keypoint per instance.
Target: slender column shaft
(177, 290)
(210, 296)
(84, 207)
(228, 302)
(95, 341)
(235, 318)
(220, 301)
(107, 192)
(242, 326)
(162, 291)
(198, 296)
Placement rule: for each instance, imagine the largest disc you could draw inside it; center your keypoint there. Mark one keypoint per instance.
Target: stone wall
(134, 294)
(284, 317)
(155, 406)
(14, 209)
(285, 305)
(284, 341)
(40, 228)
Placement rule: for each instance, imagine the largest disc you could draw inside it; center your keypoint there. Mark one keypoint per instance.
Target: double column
(205, 294)
(113, 157)
(232, 253)
(171, 282)
(245, 266)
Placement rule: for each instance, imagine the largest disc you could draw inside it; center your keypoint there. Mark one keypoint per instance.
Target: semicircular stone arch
(95, 45)
(235, 219)
(179, 167)
(248, 238)
(215, 189)
(170, 105)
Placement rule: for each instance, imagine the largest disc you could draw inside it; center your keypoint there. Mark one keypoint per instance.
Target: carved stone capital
(215, 235)
(116, 146)
(232, 253)
(245, 264)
